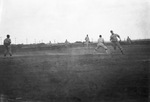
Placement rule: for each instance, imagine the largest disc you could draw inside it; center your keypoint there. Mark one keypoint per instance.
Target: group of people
(100, 43)
(113, 38)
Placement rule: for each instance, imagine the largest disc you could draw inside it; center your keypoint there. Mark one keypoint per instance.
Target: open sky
(30, 21)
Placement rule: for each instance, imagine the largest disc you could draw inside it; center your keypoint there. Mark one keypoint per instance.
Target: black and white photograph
(74, 50)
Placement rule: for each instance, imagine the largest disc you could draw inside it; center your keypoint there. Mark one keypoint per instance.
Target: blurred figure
(101, 44)
(115, 42)
(7, 45)
(50, 43)
(129, 40)
(87, 40)
(66, 43)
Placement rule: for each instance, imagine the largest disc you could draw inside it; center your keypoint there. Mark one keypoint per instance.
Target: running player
(101, 44)
(7, 45)
(115, 42)
(87, 40)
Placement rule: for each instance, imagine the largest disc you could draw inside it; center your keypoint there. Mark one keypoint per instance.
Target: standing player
(129, 40)
(101, 44)
(115, 42)
(66, 43)
(7, 45)
(87, 40)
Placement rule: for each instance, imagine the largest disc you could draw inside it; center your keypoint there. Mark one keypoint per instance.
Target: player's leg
(9, 51)
(86, 44)
(130, 42)
(97, 47)
(106, 49)
(114, 45)
(5, 50)
(119, 46)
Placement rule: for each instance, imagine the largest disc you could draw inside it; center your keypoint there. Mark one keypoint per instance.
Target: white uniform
(129, 40)
(101, 43)
(87, 40)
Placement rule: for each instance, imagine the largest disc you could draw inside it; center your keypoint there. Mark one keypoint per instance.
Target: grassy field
(77, 75)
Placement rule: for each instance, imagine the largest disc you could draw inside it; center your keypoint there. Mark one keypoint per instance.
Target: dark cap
(8, 35)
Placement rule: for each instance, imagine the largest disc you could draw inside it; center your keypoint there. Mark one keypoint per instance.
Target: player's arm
(110, 38)
(10, 41)
(4, 42)
(98, 41)
(118, 37)
(85, 38)
(103, 41)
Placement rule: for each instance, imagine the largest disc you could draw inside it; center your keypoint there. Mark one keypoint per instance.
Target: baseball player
(7, 45)
(115, 42)
(87, 40)
(66, 43)
(129, 40)
(101, 44)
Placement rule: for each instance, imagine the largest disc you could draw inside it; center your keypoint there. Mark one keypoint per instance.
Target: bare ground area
(77, 75)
